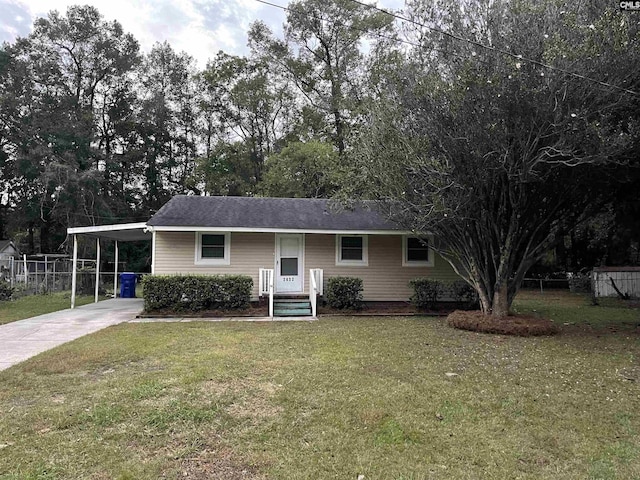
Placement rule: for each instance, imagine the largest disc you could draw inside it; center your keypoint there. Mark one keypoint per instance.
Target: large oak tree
(494, 152)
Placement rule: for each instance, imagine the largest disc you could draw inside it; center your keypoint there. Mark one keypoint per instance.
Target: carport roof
(123, 232)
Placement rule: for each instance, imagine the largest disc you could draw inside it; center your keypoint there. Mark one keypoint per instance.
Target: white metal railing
(263, 282)
(319, 275)
(313, 293)
(265, 286)
(315, 288)
(271, 275)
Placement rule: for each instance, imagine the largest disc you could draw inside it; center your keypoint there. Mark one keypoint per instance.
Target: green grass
(577, 310)
(33, 305)
(336, 398)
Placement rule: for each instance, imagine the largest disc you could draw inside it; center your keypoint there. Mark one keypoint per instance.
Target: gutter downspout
(153, 248)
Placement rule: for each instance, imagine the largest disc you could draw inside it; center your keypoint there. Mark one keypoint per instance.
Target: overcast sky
(199, 27)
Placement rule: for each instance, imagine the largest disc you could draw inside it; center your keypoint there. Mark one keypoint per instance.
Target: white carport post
(73, 272)
(97, 269)
(115, 272)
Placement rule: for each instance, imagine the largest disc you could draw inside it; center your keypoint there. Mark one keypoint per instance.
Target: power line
(395, 39)
(351, 27)
(496, 50)
(462, 39)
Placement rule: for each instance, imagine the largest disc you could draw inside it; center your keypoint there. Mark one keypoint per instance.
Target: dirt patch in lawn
(219, 464)
(520, 325)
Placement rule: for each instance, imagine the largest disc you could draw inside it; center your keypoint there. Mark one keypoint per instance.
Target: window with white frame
(417, 252)
(212, 248)
(352, 250)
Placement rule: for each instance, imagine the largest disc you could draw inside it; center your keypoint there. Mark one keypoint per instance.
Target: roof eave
(121, 231)
(196, 228)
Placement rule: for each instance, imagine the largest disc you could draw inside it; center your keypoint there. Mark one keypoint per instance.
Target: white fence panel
(626, 280)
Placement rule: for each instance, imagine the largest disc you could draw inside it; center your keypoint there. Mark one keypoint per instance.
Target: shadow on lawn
(575, 314)
(623, 328)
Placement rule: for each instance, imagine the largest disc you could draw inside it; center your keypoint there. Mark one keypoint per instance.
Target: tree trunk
(45, 236)
(339, 131)
(31, 239)
(485, 301)
(3, 209)
(501, 301)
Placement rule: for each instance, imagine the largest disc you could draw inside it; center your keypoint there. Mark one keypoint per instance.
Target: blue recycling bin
(127, 285)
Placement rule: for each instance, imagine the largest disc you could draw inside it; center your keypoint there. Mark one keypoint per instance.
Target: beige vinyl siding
(384, 279)
(175, 253)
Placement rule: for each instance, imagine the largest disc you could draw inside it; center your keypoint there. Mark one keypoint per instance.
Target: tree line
(504, 126)
(94, 131)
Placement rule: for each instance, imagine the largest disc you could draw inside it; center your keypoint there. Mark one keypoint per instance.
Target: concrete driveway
(25, 338)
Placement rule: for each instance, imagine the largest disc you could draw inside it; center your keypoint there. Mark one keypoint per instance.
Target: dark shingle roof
(268, 213)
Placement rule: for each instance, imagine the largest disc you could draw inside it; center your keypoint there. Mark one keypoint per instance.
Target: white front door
(289, 263)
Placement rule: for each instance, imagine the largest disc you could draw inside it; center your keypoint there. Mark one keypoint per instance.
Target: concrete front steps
(291, 307)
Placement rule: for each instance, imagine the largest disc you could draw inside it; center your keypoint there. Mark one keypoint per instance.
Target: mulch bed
(520, 325)
(260, 309)
(376, 308)
(254, 310)
(392, 308)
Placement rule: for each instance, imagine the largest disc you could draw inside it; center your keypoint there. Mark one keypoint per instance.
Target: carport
(124, 232)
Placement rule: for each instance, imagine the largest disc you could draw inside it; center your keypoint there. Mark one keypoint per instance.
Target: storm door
(289, 263)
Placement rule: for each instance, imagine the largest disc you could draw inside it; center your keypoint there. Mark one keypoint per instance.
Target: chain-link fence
(30, 277)
(543, 284)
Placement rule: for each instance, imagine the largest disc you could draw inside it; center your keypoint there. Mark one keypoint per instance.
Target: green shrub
(5, 291)
(463, 292)
(425, 292)
(580, 282)
(344, 293)
(196, 292)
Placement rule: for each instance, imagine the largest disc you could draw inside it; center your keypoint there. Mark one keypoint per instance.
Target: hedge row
(427, 291)
(196, 292)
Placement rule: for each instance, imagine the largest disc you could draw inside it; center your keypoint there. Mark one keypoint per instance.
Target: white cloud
(198, 27)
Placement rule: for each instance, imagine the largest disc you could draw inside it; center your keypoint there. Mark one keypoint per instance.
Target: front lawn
(386, 398)
(33, 305)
